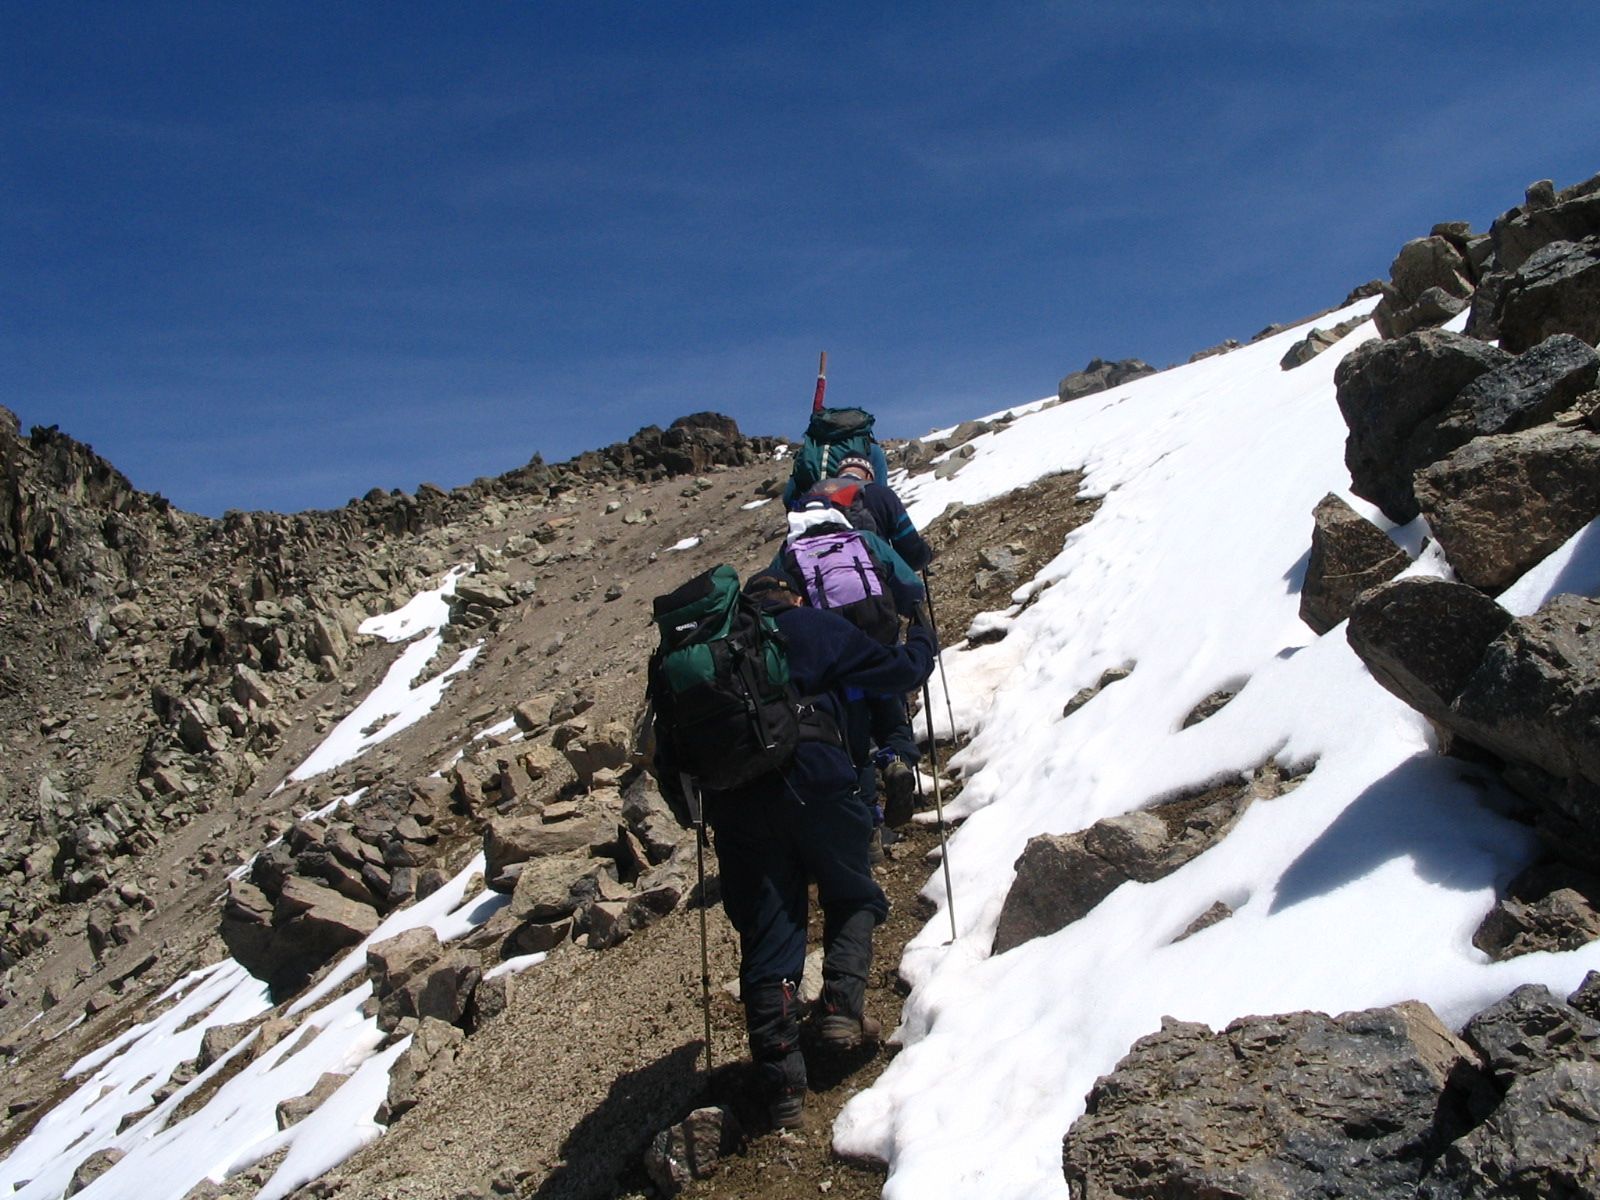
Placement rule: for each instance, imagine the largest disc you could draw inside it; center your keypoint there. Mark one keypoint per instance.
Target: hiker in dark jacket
(877, 511)
(888, 513)
(808, 825)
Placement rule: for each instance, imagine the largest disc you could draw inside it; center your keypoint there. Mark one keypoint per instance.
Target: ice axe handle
(822, 383)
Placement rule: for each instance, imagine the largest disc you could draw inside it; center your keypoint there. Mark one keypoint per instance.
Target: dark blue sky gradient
(269, 256)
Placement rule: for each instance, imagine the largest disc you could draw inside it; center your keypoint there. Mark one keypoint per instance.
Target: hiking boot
(787, 1108)
(900, 789)
(841, 1031)
(875, 846)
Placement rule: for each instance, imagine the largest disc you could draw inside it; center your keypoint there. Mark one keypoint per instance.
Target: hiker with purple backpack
(836, 559)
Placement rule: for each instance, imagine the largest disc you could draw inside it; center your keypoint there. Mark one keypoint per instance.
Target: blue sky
(272, 255)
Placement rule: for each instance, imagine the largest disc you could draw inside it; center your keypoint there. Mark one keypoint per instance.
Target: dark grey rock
(1556, 291)
(1529, 1031)
(1541, 1141)
(1423, 638)
(1393, 395)
(1551, 907)
(1586, 999)
(1302, 1105)
(1527, 391)
(1349, 554)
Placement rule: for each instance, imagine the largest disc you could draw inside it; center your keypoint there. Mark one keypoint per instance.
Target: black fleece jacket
(827, 654)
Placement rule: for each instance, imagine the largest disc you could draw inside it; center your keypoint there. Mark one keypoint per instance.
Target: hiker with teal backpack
(749, 694)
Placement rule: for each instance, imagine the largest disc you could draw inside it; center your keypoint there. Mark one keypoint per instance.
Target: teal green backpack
(719, 682)
(833, 435)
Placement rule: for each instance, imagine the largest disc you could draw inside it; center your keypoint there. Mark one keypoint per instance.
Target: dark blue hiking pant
(770, 845)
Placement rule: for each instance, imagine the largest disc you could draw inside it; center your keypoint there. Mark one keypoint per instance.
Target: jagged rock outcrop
(1556, 291)
(1527, 689)
(691, 445)
(1545, 217)
(1349, 554)
(1431, 279)
(1101, 376)
(1382, 1103)
(1300, 1105)
(1394, 395)
(1318, 340)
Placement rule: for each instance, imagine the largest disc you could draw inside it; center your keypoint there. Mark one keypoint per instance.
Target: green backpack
(719, 682)
(833, 435)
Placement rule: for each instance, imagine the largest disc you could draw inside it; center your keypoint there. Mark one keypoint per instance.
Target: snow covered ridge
(1359, 888)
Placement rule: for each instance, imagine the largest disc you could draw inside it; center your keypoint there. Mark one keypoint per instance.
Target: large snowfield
(1360, 887)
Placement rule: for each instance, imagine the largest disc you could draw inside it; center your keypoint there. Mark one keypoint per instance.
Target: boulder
(1393, 395)
(1060, 878)
(297, 1108)
(311, 924)
(219, 1039)
(1527, 391)
(1543, 1139)
(442, 990)
(691, 1149)
(1100, 375)
(1058, 882)
(1556, 291)
(1349, 554)
(543, 890)
(511, 840)
(91, 1168)
(1529, 1031)
(1550, 907)
(533, 715)
(1526, 689)
(1548, 477)
(394, 962)
(1301, 1105)
(1535, 695)
(1547, 216)
(1430, 282)
(435, 1044)
(591, 751)
(651, 818)
(1422, 638)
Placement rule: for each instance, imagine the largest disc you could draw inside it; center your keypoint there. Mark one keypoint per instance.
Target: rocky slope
(164, 674)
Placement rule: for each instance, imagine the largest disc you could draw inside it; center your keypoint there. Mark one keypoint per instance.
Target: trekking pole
(698, 820)
(938, 808)
(822, 383)
(933, 624)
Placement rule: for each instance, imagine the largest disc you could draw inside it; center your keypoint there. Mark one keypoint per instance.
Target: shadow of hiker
(606, 1147)
(1434, 811)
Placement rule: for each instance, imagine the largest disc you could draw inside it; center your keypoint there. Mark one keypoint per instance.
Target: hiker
(889, 515)
(805, 823)
(896, 545)
(832, 435)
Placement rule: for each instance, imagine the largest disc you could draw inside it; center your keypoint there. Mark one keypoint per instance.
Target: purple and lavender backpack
(838, 570)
